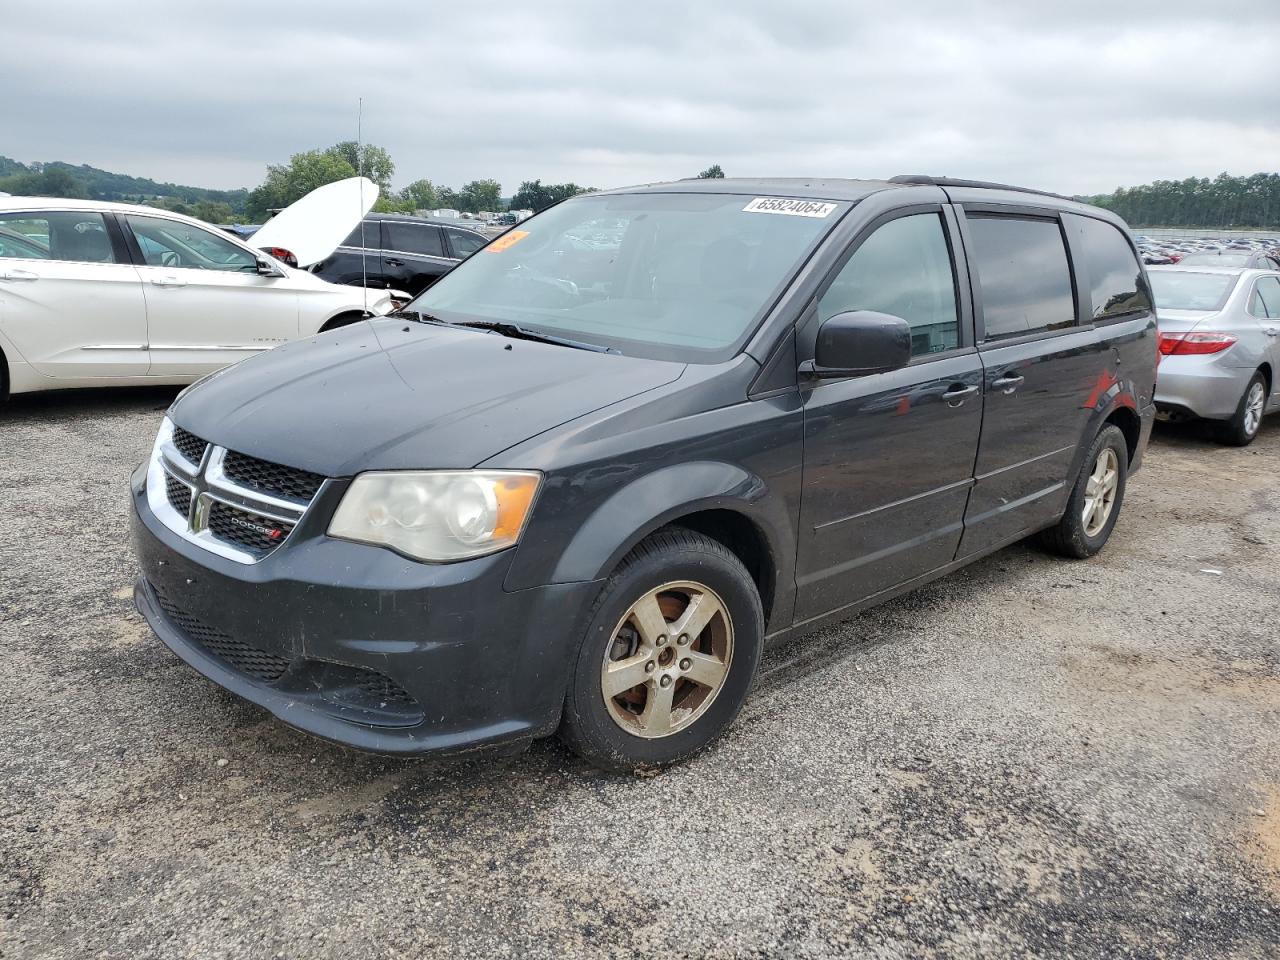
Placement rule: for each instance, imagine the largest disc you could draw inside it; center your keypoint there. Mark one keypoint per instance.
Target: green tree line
(83, 182)
(284, 183)
(305, 171)
(1225, 201)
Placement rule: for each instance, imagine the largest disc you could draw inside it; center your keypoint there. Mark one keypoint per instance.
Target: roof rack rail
(921, 179)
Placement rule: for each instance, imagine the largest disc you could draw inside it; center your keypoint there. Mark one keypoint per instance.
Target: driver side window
(172, 243)
(903, 268)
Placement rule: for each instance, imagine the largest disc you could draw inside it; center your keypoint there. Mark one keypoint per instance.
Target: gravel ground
(1032, 758)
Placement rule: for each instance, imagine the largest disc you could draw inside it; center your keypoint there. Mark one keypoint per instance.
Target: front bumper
(1201, 385)
(363, 647)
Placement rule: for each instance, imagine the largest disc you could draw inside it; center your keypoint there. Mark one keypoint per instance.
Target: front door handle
(20, 275)
(1007, 384)
(168, 282)
(1271, 332)
(395, 262)
(958, 394)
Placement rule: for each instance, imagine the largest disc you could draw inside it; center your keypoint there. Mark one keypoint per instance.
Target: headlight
(437, 515)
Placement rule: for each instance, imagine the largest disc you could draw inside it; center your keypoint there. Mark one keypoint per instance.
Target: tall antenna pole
(364, 249)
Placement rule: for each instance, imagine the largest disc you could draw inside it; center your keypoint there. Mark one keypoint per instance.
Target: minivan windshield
(678, 276)
(1184, 290)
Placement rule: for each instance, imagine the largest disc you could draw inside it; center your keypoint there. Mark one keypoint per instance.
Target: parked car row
(1251, 252)
(579, 480)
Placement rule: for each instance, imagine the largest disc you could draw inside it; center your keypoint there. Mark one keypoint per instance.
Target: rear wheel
(1243, 427)
(670, 653)
(1095, 500)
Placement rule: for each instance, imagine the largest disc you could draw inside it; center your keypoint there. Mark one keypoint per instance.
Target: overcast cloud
(1077, 97)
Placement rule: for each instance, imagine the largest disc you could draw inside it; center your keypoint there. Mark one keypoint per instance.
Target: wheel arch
(4, 374)
(342, 318)
(1130, 424)
(742, 537)
(719, 500)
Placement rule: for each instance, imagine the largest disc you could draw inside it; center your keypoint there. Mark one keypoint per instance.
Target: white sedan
(98, 294)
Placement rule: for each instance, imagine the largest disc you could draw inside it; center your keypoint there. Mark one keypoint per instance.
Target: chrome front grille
(189, 445)
(244, 514)
(272, 478)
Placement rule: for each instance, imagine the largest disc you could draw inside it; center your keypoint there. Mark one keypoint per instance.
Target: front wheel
(670, 653)
(1094, 505)
(1243, 427)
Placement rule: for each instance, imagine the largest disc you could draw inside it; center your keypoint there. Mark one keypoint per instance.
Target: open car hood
(311, 228)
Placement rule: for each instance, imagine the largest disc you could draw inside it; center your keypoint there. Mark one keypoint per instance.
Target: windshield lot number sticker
(506, 241)
(790, 208)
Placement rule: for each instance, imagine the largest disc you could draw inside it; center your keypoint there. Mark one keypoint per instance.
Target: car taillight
(1185, 344)
(280, 253)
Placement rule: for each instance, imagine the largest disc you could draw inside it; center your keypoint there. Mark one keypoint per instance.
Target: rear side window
(412, 238)
(903, 268)
(465, 244)
(367, 235)
(74, 235)
(1023, 273)
(1115, 279)
(1266, 298)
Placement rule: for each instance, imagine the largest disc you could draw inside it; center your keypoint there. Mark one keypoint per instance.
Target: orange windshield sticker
(507, 240)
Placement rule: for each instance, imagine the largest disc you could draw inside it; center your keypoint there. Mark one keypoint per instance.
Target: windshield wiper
(417, 316)
(524, 333)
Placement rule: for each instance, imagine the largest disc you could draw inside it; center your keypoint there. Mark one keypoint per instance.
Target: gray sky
(1077, 96)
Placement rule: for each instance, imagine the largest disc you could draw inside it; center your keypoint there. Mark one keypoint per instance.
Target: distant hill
(91, 183)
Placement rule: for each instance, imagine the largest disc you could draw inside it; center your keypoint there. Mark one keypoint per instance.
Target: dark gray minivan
(581, 481)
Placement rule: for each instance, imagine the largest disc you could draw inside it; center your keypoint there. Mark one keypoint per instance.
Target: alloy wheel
(1100, 492)
(1253, 406)
(668, 659)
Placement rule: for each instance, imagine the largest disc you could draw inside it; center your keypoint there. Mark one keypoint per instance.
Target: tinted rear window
(1115, 279)
(412, 238)
(465, 244)
(365, 235)
(1023, 271)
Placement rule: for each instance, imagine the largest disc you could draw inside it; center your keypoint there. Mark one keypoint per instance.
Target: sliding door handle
(1007, 384)
(959, 393)
(19, 275)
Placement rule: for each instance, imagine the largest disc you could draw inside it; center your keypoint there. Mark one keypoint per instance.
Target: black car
(578, 484)
(398, 252)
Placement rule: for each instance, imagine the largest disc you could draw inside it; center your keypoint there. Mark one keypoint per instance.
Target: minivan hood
(394, 395)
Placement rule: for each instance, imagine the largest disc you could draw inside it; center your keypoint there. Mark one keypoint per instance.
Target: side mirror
(858, 343)
(268, 269)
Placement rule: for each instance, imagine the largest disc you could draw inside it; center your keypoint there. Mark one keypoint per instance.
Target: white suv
(98, 294)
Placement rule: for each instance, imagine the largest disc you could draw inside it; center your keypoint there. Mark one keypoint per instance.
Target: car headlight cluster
(437, 515)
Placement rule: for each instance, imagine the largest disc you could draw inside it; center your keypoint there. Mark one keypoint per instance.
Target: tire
(1075, 535)
(1244, 425)
(679, 571)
